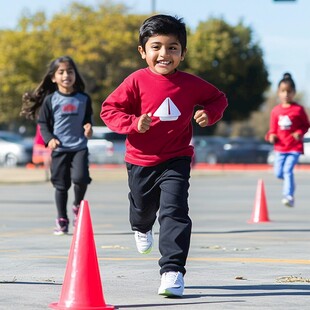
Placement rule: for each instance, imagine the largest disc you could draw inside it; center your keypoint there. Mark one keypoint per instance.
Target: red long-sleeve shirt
(177, 94)
(38, 140)
(283, 122)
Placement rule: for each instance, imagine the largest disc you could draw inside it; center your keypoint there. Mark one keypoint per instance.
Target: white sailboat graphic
(167, 111)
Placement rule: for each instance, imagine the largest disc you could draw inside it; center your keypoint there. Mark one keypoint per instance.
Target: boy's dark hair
(163, 25)
(287, 78)
(31, 102)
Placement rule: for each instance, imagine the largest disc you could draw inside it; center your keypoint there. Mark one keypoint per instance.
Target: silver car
(303, 158)
(14, 149)
(106, 146)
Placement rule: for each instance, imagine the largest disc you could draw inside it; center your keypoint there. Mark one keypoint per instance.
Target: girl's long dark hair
(32, 101)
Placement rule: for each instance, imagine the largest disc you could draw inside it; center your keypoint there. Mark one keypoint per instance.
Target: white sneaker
(288, 201)
(172, 284)
(144, 242)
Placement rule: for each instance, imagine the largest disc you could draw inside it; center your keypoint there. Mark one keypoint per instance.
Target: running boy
(154, 107)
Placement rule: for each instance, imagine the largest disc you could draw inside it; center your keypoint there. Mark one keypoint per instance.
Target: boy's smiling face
(163, 53)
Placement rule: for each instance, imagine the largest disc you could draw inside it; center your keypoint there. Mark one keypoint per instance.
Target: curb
(109, 172)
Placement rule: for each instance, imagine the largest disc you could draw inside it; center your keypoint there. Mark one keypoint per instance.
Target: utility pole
(153, 6)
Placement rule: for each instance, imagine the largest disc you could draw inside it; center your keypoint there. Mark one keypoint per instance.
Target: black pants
(163, 188)
(67, 167)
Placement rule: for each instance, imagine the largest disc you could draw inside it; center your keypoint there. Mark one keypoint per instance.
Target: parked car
(209, 150)
(247, 150)
(214, 149)
(106, 146)
(14, 149)
(305, 157)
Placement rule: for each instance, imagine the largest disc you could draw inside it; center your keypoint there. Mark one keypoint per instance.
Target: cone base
(257, 222)
(55, 305)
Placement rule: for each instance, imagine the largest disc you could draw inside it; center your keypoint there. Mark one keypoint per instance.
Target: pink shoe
(62, 227)
(75, 210)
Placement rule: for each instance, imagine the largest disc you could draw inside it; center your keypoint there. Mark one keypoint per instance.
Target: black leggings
(67, 168)
(61, 198)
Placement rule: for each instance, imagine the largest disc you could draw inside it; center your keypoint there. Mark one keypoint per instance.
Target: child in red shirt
(41, 154)
(154, 106)
(288, 124)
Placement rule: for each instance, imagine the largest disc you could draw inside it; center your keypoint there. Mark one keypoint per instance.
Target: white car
(106, 146)
(14, 149)
(303, 158)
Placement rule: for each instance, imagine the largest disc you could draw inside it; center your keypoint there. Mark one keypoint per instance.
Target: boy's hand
(144, 122)
(201, 118)
(296, 135)
(53, 144)
(88, 131)
(272, 138)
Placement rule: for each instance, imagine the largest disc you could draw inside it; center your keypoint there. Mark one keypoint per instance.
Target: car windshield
(10, 137)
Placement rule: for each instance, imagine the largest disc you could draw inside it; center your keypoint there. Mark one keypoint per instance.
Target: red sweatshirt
(284, 122)
(171, 100)
(38, 137)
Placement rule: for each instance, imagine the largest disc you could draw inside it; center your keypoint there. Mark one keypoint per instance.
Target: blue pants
(163, 189)
(284, 169)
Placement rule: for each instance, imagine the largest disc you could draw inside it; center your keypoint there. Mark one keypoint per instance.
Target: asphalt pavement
(233, 263)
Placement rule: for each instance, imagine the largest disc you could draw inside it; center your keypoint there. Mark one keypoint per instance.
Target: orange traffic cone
(260, 212)
(82, 289)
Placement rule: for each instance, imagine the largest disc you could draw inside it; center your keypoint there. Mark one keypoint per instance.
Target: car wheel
(261, 160)
(211, 159)
(10, 160)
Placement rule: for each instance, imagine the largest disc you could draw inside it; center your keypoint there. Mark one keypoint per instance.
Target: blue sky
(281, 28)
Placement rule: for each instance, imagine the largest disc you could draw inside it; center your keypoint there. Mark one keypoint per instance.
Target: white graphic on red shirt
(167, 111)
(284, 122)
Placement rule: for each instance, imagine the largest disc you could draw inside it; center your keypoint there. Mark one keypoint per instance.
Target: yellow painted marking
(9, 251)
(253, 260)
(22, 233)
(201, 259)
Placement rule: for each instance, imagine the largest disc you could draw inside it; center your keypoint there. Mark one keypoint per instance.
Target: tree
(227, 57)
(102, 40)
(23, 58)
